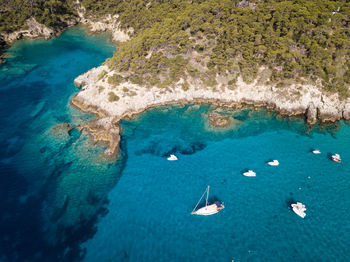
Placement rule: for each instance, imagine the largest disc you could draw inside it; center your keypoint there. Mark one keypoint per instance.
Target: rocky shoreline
(304, 100)
(36, 30)
(129, 99)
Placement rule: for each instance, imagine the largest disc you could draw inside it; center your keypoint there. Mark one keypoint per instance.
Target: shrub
(112, 97)
(115, 80)
(185, 86)
(102, 74)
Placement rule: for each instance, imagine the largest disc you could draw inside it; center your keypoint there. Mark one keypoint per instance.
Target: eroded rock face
(311, 114)
(33, 31)
(110, 23)
(308, 100)
(219, 121)
(346, 111)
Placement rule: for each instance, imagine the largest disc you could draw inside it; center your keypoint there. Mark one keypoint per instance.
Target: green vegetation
(102, 74)
(299, 40)
(115, 79)
(52, 13)
(303, 41)
(185, 86)
(112, 97)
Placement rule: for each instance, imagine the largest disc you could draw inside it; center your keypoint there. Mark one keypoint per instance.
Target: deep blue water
(62, 202)
(53, 184)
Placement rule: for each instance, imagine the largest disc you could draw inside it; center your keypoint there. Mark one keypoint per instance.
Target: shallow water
(62, 202)
(149, 218)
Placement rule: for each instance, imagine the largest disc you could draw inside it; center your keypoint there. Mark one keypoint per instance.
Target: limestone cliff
(306, 100)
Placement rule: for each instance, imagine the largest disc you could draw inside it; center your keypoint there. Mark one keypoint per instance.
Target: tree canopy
(293, 40)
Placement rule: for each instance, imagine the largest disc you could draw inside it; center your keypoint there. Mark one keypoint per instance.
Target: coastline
(297, 100)
(309, 101)
(35, 30)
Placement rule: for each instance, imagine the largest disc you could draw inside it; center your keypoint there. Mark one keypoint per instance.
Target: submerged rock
(219, 121)
(62, 129)
(106, 131)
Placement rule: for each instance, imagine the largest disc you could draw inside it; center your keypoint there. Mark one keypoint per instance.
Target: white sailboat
(172, 158)
(207, 210)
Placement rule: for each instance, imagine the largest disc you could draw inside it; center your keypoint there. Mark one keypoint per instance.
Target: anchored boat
(336, 158)
(249, 173)
(172, 158)
(273, 163)
(207, 210)
(299, 209)
(316, 151)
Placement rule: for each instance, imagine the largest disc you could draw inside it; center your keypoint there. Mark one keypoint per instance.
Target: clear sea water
(61, 201)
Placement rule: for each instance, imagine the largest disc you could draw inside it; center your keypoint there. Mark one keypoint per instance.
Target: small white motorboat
(250, 173)
(273, 163)
(207, 210)
(316, 151)
(299, 209)
(172, 158)
(336, 158)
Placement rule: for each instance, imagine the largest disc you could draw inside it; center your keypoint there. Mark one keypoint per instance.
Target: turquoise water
(149, 218)
(53, 185)
(61, 201)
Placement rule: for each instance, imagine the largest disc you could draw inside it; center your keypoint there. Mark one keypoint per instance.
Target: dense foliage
(52, 13)
(294, 40)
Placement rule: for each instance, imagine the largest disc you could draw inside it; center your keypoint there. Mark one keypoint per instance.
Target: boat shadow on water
(289, 201)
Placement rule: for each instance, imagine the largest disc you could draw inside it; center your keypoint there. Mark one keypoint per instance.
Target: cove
(62, 202)
(149, 211)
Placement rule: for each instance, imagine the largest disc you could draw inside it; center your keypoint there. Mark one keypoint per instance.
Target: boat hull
(336, 160)
(249, 174)
(172, 158)
(299, 210)
(207, 210)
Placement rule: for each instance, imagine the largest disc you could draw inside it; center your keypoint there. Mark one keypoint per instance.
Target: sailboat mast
(206, 201)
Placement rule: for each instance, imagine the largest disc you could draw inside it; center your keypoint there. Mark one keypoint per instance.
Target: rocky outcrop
(297, 99)
(346, 111)
(62, 129)
(307, 100)
(2, 46)
(109, 23)
(311, 114)
(219, 121)
(34, 30)
(105, 130)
